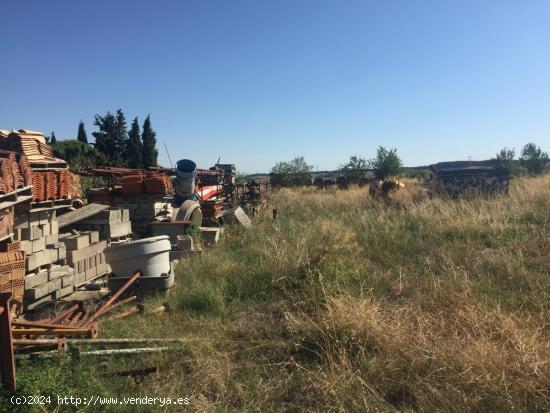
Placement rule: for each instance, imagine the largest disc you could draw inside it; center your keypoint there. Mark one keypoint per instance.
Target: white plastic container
(150, 255)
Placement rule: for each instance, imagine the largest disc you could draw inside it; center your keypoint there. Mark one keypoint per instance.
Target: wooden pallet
(51, 204)
(16, 197)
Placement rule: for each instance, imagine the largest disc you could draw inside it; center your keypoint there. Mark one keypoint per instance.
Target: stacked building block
(47, 285)
(85, 256)
(111, 224)
(47, 277)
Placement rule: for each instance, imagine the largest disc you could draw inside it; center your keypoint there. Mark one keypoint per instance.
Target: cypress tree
(52, 138)
(121, 140)
(149, 140)
(82, 137)
(134, 146)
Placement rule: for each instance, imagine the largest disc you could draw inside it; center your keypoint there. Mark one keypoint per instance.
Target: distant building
(469, 180)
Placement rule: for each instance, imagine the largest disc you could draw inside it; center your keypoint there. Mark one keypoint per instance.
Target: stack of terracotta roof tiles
(51, 185)
(31, 143)
(136, 182)
(13, 174)
(157, 183)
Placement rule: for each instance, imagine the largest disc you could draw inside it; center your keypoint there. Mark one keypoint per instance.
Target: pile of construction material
(85, 255)
(27, 159)
(143, 208)
(47, 275)
(15, 172)
(112, 225)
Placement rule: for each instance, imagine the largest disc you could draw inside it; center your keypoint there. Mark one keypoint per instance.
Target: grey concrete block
(38, 259)
(52, 239)
(79, 279)
(39, 302)
(94, 237)
(31, 233)
(59, 271)
(67, 280)
(54, 227)
(32, 280)
(184, 242)
(46, 217)
(85, 253)
(63, 292)
(76, 242)
(46, 229)
(105, 217)
(42, 289)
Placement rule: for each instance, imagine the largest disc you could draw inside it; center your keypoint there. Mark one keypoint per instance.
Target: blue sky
(254, 82)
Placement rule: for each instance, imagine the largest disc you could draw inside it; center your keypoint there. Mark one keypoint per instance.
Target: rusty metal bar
(120, 303)
(7, 365)
(86, 331)
(113, 298)
(64, 314)
(30, 324)
(125, 314)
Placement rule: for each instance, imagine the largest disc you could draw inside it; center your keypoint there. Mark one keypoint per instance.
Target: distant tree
(134, 146)
(504, 161)
(149, 140)
(292, 173)
(82, 136)
(386, 163)
(105, 137)
(534, 159)
(52, 139)
(79, 155)
(355, 167)
(111, 137)
(121, 158)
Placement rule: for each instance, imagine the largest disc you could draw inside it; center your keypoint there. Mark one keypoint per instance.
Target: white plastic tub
(150, 255)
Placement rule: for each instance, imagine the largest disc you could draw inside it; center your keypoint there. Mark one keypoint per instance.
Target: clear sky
(254, 82)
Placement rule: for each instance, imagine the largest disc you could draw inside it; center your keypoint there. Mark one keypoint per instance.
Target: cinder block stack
(47, 275)
(85, 255)
(112, 224)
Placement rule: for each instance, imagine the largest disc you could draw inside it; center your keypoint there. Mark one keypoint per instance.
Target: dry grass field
(345, 303)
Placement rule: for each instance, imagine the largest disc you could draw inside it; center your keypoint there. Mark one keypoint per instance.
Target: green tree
(355, 167)
(82, 136)
(386, 163)
(134, 147)
(79, 155)
(534, 159)
(148, 137)
(504, 161)
(52, 139)
(292, 173)
(111, 137)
